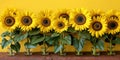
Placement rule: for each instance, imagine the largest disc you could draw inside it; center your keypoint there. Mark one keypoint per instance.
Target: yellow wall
(37, 5)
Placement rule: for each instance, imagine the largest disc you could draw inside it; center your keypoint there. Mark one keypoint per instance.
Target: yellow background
(37, 5)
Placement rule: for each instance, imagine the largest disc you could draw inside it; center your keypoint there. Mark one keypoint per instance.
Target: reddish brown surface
(69, 56)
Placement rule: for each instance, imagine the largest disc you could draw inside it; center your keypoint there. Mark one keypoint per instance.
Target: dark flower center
(97, 26)
(61, 25)
(112, 25)
(46, 22)
(9, 21)
(80, 19)
(64, 15)
(95, 16)
(14, 13)
(26, 20)
(114, 17)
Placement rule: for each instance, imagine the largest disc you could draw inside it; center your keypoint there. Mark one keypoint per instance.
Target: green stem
(11, 53)
(44, 47)
(110, 48)
(94, 47)
(78, 53)
(61, 50)
(28, 49)
(94, 50)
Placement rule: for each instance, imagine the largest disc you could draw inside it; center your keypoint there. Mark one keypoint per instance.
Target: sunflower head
(113, 25)
(8, 19)
(98, 27)
(27, 21)
(45, 21)
(96, 14)
(60, 25)
(113, 15)
(64, 13)
(80, 19)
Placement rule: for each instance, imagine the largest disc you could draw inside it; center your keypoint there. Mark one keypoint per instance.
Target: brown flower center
(64, 15)
(95, 16)
(46, 22)
(80, 19)
(26, 20)
(97, 26)
(9, 21)
(112, 25)
(114, 17)
(60, 25)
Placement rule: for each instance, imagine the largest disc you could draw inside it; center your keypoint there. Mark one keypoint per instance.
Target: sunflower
(27, 21)
(64, 13)
(9, 19)
(80, 19)
(113, 19)
(96, 13)
(98, 27)
(45, 21)
(60, 25)
(113, 14)
(113, 26)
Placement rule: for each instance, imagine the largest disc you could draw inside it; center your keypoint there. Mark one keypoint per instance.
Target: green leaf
(84, 34)
(53, 40)
(78, 44)
(5, 43)
(36, 39)
(116, 41)
(16, 32)
(57, 48)
(4, 34)
(70, 29)
(20, 37)
(34, 32)
(15, 47)
(66, 40)
(105, 36)
(47, 38)
(28, 45)
(55, 35)
(100, 45)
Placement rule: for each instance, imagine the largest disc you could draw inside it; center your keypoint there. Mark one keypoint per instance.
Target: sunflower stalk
(11, 52)
(61, 43)
(78, 52)
(111, 48)
(28, 52)
(61, 51)
(94, 48)
(44, 50)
